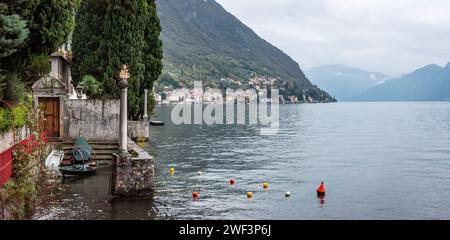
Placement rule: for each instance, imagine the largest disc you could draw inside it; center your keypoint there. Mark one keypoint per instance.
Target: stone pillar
(132, 176)
(123, 124)
(145, 104)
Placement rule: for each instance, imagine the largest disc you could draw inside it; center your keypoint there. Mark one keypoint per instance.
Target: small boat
(156, 123)
(81, 154)
(77, 170)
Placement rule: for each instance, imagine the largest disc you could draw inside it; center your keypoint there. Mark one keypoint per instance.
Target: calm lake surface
(378, 161)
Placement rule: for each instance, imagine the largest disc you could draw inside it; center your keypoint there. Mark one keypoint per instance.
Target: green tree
(13, 33)
(30, 29)
(49, 23)
(125, 32)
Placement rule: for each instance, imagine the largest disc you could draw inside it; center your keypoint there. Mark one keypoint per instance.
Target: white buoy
(287, 194)
(199, 173)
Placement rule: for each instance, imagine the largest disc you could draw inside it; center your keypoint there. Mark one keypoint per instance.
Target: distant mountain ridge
(344, 82)
(430, 83)
(202, 41)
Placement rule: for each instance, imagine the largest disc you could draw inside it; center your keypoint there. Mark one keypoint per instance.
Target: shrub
(20, 117)
(92, 87)
(5, 120)
(15, 88)
(22, 192)
(20, 197)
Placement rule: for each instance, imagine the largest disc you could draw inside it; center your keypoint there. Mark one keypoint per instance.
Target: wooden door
(50, 123)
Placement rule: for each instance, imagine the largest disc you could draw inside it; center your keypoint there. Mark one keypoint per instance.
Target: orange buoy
(195, 194)
(321, 189)
(232, 182)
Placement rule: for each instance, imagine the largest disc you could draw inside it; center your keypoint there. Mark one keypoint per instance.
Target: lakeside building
(158, 97)
(263, 81)
(198, 96)
(51, 91)
(293, 99)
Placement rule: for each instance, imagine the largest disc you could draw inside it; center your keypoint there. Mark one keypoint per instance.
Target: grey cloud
(394, 37)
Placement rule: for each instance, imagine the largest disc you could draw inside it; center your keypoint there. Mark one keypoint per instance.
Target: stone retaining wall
(133, 176)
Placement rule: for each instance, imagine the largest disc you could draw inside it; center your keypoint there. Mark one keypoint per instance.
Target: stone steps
(107, 157)
(102, 151)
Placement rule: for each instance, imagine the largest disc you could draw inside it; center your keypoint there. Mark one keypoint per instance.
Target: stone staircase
(102, 151)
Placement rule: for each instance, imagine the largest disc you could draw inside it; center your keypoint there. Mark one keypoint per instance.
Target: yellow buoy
(249, 194)
(265, 185)
(172, 170)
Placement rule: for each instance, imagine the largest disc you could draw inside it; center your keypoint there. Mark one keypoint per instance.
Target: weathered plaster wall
(96, 120)
(7, 139)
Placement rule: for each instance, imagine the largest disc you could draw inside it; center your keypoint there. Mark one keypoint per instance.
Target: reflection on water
(88, 198)
(321, 199)
(378, 161)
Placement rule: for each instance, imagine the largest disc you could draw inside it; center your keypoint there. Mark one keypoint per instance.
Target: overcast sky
(393, 37)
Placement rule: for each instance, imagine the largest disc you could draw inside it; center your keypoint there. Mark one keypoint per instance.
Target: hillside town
(248, 92)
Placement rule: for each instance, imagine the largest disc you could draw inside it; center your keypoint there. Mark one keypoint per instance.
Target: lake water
(378, 161)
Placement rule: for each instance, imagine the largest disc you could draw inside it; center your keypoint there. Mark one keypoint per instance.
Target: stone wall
(95, 120)
(98, 120)
(7, 139)
(133, 176)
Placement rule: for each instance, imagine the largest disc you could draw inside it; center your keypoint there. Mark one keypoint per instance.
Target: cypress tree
(124, 32)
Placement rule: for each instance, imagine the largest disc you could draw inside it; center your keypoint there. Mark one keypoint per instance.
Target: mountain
(343, 82)
(430, 83)
(202, 41)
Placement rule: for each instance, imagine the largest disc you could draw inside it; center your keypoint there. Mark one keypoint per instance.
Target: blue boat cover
(81, 151)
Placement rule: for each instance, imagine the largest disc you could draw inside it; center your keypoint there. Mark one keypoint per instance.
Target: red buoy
(195, 194)
(321, 189)
(232, 182)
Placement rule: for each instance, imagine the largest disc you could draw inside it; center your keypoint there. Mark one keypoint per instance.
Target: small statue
(124, 76)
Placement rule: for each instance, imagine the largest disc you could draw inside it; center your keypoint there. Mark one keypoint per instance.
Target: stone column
(123, 125)
(145, 105)
(131, 176)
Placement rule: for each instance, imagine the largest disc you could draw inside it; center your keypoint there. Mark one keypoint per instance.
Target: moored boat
(77, 170)
(156, 123)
